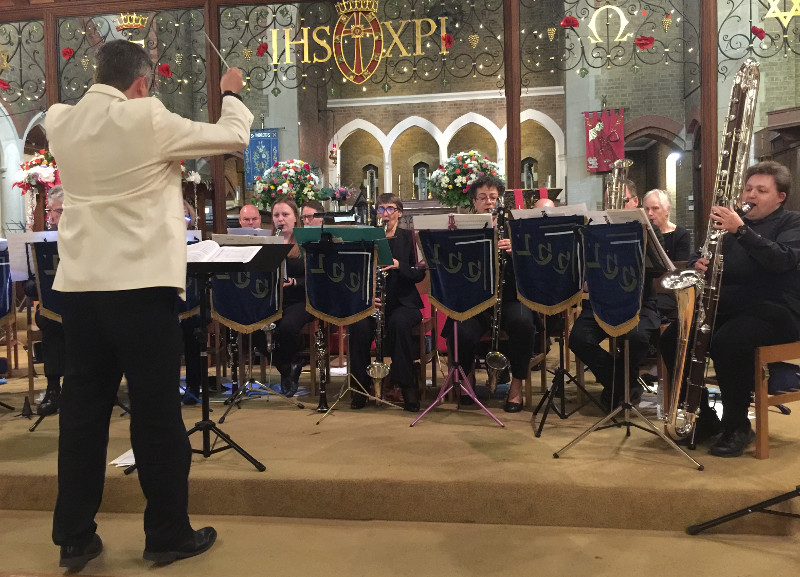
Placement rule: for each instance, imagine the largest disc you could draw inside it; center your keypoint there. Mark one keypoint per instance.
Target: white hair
(55, 194)
(663, 198)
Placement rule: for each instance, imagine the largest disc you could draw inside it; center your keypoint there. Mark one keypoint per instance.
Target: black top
(761, 267)
(678, 244)
(296, 269)
(401, 284)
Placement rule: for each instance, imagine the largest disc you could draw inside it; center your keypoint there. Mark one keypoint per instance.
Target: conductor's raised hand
(232, 80)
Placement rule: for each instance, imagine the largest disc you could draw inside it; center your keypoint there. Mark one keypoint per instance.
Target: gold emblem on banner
(358, 23)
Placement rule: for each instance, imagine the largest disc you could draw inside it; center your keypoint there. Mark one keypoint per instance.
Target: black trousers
(585, 339)
(733, 346)
(518, 322)
(288, 339)
(53, 351)
(398, 342)
(134, 333)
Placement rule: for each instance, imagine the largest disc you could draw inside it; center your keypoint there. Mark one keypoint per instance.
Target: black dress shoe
(199, 542)
(50, 402)
(75, 557)
(293, 378)
(510, 407)
(733, 441)
(410, 399)
(358, 402)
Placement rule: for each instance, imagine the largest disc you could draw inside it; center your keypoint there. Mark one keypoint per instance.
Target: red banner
(605, 139)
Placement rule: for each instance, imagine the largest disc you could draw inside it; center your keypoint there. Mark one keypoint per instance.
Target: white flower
(194, 177)
(44, 173)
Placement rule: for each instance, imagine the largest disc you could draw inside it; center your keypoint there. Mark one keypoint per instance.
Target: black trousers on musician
(586, 337)
(518, 322)
(53, 351)
(733, 346)
(398, 342)
(288, 338)
(134, 333)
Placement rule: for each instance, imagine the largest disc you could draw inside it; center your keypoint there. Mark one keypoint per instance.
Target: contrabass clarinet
(734, 151)
(495, 360)
(614, 197)
(378, 370)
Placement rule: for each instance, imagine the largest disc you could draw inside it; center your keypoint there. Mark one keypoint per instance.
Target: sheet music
(566, 210)
(245, 239)
(442, 221)
(19, 257)
(210, 251)
(658, 258)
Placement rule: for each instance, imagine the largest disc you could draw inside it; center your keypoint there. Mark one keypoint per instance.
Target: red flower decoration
(165, 71)
(447, 41)
(67, 53)
(306, 166)
(758, 32)
(4, 85)
(262, 49)
(644, 42)
(570, 22)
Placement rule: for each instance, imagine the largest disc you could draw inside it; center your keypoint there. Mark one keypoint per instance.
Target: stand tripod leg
(757, 508)
(233, 401)
(547, 402)
(7, 407)
(232, 445)
(39, 419)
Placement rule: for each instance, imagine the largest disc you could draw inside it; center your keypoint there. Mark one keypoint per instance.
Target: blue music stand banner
(45, 261)
(615, 274)
(260, 154)
(547, 262)
(247, 301)
(6, 296)
(340, 280)
(191, 306)
(462, 265)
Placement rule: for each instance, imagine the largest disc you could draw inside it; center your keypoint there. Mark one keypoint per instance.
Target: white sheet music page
(210, 251)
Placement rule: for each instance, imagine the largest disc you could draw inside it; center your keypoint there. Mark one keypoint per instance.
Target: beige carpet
(454, 466)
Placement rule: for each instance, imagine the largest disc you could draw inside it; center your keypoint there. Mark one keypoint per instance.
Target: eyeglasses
(386, 209)
(482, 198)
(309, 216)
(56, 210)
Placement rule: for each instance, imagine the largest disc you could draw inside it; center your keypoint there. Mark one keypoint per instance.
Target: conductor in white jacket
(122, 260)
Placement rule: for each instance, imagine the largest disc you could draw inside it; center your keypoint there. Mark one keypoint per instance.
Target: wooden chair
(428, 325)
(763, 399)
(9, 339)
(34, 335)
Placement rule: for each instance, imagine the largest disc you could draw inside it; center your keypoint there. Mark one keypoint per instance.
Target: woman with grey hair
(677, 241)
(55, 203)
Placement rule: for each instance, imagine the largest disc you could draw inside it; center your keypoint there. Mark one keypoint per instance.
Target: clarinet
(378, 370)
(495, 360)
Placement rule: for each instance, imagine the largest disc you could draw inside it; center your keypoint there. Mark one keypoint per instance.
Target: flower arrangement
(338, 193)
(40, 170)
(290, 179)
(450, 182)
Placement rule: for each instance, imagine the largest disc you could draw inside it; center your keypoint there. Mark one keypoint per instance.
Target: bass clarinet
(495, 360)
(687, 284)
(378, 370)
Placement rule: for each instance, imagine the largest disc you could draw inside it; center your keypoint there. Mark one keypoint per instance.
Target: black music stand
(625, 408)
(266, 259)
(561, 376)
(762, 507)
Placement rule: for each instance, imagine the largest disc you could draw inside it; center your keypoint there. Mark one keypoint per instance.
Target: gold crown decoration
(132, 21)
(349, 6)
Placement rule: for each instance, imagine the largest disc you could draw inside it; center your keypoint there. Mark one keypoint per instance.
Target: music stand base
(7, 407)
(252, 386)
(348, 388)
(757, 508)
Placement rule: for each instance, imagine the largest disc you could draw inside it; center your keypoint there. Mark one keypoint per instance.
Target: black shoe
(410, 400)
(75, 557)
(733, 441)
(510, 407)
(50, 402)
(293, 379)
(199, 542)
(190, 397)
(357, 401)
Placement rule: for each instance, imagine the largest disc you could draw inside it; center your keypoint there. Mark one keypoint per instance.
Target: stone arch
(398, 129)
(12, 204)
(655, 127)
(343, 133)
(556, 132)
(482, 121)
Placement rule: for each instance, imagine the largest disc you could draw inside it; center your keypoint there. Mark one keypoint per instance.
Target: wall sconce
(334, 158)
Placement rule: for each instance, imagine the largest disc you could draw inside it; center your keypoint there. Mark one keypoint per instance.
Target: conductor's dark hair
(120, 62)
(487, 180)
(779, 173)
(315, 204)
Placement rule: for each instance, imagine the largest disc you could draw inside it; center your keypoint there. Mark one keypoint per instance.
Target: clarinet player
(517, 319)
(401, 308)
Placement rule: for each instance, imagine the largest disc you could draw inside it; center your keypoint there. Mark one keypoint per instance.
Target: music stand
(625, 408)
(762, 507)
(268, 258)
(456, 375)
